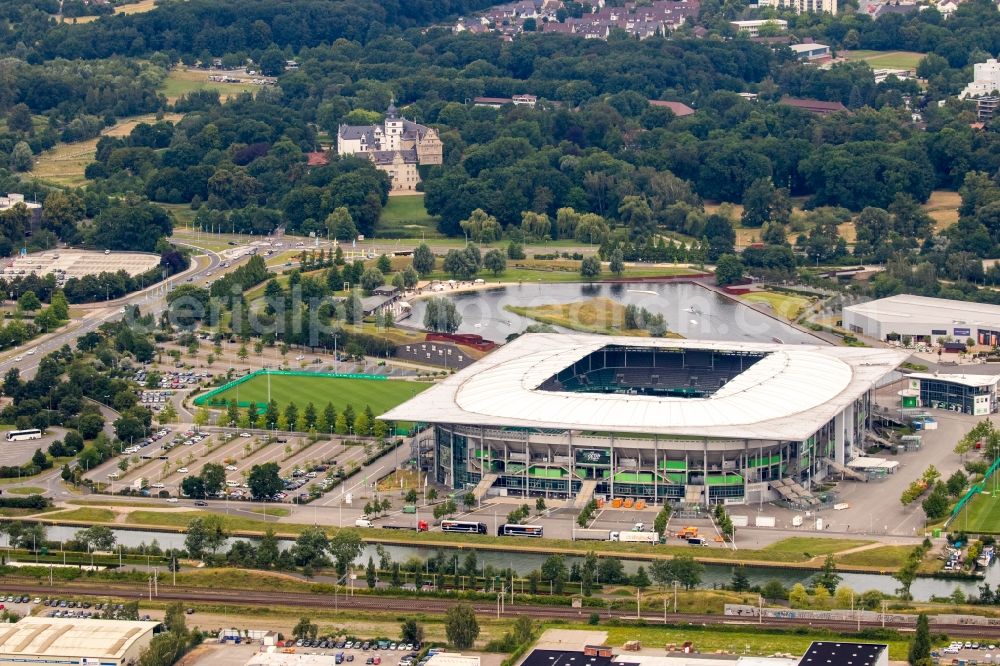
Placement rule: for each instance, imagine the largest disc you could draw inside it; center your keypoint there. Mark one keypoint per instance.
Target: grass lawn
(130, 8)
(401, 479)
(594, 315)
(381, 395)
(883, 556)
(981, 515)
(232, 523)
(88, 514)
(887, 59)
(943, 208)
(756, 640)
(272, 512)
(65, 162)
(566, 270)
(789, 306)
(181, 81)
(25, 490)
(404, 216)
(239, 579)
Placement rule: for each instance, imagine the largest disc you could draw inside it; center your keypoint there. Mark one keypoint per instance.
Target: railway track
(427, 605)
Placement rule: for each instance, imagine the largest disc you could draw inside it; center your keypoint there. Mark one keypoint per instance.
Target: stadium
(579, 416)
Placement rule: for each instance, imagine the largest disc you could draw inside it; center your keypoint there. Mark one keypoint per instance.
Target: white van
(363, 522)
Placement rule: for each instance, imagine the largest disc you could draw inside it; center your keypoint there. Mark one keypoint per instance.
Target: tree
(28, 302)
(213, 476)
(371, 576)
(412, 632)
(97, 537)
(442, 315)
(798, 597)
(272, 61)
(423, 260)
(481, 227)
(495, 261)
(21, 157)
(194, 487)
(641, 578)
(728, 270)
(265, 481)
(345, 546)
(757, 200)
(174, 620)
(920, 647)
(267, 550)
(828, 576)
(554, 571)
(305, 629)
(461, 626)
(740, 582)
(936, 504)
(372, 279)
(773, 590)
(590, 268)
(636, 214)
(688, 571)
(617, 263)
(309, 549)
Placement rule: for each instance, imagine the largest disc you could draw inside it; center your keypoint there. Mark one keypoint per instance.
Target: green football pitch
(981, 515)
(380, 395)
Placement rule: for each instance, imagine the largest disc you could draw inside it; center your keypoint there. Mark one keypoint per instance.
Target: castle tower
(393, 128)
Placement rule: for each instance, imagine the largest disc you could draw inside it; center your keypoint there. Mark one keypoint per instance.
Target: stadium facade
(695, 421)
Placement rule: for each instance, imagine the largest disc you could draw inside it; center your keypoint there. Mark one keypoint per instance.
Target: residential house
(802, 6)
(813, 105)
(752, 28)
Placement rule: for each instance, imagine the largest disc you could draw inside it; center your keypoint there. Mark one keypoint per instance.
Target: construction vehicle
(688, 533)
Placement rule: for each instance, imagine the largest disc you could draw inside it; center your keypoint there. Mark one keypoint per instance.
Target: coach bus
(508, 529)
(463, 526)
(20, 435)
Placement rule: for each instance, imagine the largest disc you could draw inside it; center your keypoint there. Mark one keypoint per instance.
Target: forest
(594, 161)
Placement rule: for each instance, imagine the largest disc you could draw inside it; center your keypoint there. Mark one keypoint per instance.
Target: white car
(172, 500)
(183, 470)
(245, 434)
(31, 352)
(157, 485)
(230, 468)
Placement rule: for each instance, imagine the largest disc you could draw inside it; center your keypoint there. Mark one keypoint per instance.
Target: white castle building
(396, 146)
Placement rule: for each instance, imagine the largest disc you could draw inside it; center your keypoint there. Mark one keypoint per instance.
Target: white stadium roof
(788, 394)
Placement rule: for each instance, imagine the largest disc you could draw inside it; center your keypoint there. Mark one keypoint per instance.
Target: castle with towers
(396, 146)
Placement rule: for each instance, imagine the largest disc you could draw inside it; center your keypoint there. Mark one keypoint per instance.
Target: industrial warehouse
(924, 319)
(696, 421)
(51, 640)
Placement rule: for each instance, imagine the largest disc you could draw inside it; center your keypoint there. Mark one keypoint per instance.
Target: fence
(973, 491)
(209, 398)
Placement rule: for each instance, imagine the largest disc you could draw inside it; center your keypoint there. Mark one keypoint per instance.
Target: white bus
(20, 435)
(463, 526)
(509, 529)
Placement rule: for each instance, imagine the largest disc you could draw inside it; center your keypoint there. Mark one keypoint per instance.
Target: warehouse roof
(64, 637)
(906, 308)
(962, 380)
(788, 394)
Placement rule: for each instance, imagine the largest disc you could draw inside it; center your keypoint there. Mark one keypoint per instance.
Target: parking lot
(20, 452)
(970, 653)
(61, 607)
(164, 459)
(79, 263)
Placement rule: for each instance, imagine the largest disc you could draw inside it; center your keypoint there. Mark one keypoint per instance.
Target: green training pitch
(981, 515)
(380, 395)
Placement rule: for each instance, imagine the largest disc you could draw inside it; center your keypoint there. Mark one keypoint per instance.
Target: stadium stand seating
(686, 373)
